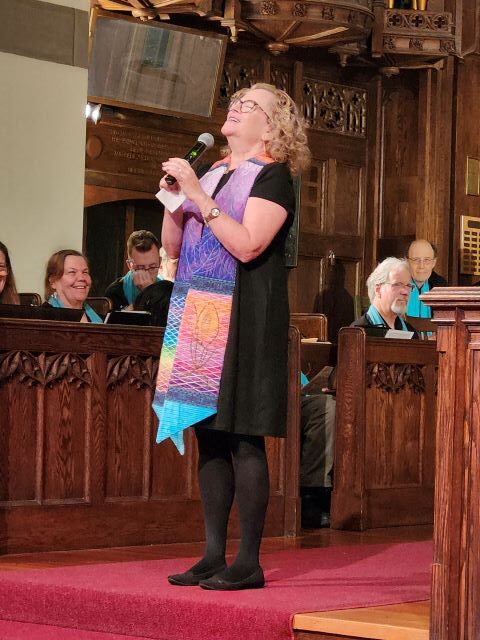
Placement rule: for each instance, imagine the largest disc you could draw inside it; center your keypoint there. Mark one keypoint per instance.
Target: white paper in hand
(170, 200)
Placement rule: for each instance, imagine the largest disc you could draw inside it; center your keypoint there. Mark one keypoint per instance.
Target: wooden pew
(310, 325)
(385, 432)
(314, 356)
(78, 463)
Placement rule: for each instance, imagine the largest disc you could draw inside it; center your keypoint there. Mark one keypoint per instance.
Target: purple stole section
(193, 351)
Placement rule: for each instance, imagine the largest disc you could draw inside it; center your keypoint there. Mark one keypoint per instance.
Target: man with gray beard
(389, 287)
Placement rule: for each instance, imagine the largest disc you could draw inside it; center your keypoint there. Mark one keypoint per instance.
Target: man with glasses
(143, 264)
(389, 287)
(422, 257)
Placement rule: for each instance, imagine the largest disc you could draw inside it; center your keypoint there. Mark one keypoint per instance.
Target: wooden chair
(30, 299)
(100, 305)
(310, 325)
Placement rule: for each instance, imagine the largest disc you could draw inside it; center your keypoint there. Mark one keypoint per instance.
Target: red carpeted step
(134, 598)
(28, 631)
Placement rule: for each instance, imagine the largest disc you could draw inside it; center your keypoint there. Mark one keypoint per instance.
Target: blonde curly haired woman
(223, 367)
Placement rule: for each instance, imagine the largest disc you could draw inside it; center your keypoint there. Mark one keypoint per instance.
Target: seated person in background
(389, 288)
(422, 257)
(143, 263)
(68, 282)
(316, 457)
(155, 299)
(8, 290)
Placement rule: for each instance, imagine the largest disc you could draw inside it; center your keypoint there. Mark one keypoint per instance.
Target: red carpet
(27, 631)
(134, 598)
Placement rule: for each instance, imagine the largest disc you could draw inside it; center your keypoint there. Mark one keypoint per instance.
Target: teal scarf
(130, 290)
(89, 312)
(416, 308)
(377, 320)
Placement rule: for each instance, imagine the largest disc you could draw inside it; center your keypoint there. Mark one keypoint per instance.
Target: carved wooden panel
(181, 483)
(239, 73)
(385, 432)
(130, 384)
(126, 434)
(394, 377)
(335, 108)
(66, 442)
(282, 77)
(393, 431)
(18, 445)
(77, 444)
(418, 32)
(49, 379)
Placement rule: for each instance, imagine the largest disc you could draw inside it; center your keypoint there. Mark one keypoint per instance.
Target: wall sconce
(93, 112)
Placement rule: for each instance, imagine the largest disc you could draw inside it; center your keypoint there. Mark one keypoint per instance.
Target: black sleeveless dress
(253, 389)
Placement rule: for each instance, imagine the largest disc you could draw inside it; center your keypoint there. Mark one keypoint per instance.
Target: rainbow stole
(193, 350)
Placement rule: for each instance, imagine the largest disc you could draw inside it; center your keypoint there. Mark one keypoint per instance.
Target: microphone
(205, 141)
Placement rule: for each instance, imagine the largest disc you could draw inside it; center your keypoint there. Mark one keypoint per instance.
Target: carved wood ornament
(279, 23)
(336, 108)
(140, 372)
(404, 36)
(44, 370)
(394, 377)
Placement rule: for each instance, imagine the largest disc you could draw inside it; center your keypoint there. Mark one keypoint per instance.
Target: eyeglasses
(246, 106)
(426, 261)
(140, 267)
(400, 285)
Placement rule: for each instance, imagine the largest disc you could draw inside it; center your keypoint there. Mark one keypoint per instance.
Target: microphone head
(206, 139)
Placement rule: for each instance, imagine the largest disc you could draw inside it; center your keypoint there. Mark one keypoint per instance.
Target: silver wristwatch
(211, 215)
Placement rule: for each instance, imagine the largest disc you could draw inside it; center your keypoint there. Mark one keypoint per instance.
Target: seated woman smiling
(8, 290)
(68, 282)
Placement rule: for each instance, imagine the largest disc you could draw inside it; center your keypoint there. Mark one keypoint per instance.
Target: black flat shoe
(255, 580)
(191, 579)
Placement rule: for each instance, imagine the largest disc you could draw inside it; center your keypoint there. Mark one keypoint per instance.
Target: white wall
(42, 160)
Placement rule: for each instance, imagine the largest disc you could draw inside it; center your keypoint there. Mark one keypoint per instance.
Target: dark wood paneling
(78, 462)
(16, 400)
(456, 564)
(400, 157)
(347, 216)
(416, 147)
(467, 143)
(385, 432)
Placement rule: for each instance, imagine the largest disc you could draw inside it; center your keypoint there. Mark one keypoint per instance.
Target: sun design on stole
(205, 332)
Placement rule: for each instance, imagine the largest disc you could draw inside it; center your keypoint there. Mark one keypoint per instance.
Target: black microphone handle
(170, 179)
(192, 156)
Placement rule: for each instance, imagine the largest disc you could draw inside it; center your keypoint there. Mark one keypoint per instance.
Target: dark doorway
(107, 227)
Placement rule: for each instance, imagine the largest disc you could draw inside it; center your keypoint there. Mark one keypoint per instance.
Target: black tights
(232, 465)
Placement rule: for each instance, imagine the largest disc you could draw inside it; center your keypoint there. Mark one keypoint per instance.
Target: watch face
(212, 214)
